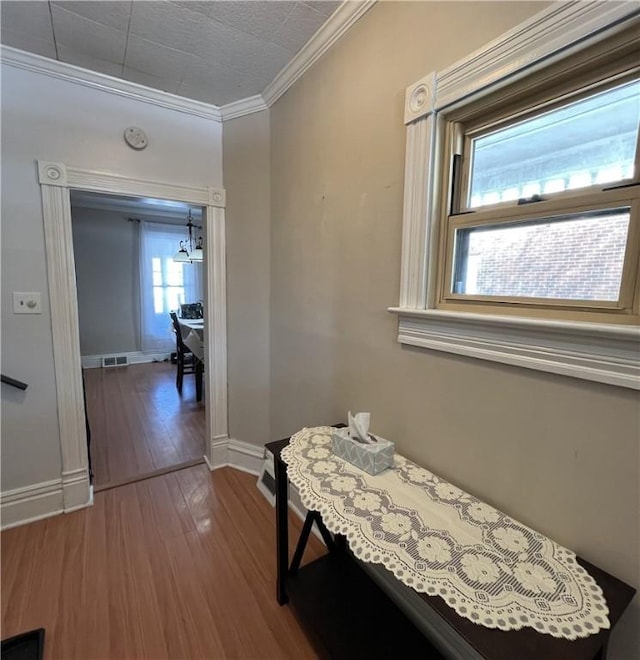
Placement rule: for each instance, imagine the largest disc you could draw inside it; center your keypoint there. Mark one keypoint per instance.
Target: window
(168, 284)
(164, 284)
(521, 221)
(571, 258)
(542, 202)
(593, 141)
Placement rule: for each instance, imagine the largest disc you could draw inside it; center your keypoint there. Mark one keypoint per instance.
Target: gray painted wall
(246, 178)
(51, 119)
(561, 455)
(106, 253)
(106, 250)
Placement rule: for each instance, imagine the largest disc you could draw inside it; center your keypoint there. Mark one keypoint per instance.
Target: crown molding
(243, 107)
(339, 23)
(21, 59)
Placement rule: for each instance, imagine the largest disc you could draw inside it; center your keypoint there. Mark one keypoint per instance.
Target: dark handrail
(14, 383)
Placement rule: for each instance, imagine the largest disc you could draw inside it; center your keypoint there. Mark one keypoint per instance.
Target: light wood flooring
(139, 422)
(177, 566)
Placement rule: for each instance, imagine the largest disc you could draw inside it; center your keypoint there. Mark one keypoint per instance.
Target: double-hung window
(541, 204)
(521, 229)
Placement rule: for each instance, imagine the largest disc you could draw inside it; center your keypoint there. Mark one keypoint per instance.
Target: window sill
(590, 351)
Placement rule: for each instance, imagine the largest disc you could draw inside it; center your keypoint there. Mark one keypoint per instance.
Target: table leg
(302, 543)
(282, 530)
(340, 542)
(602, 653)
(324, 532)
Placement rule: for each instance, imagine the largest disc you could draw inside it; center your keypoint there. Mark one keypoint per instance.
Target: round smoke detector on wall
(135, 137)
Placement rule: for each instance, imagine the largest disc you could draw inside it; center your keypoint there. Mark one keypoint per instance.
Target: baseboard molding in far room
(135, 357)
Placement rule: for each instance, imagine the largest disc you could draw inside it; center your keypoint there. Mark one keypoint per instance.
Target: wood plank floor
(177, 566)
(139, 422)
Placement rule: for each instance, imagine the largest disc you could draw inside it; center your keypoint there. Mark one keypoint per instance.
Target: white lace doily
(444, 542)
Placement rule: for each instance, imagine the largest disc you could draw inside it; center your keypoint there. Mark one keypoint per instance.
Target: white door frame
(56, 181)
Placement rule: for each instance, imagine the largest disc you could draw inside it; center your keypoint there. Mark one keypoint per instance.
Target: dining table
(192, 331)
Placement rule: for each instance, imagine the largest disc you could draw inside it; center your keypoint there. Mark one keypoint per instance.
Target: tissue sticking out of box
(357, 446)
(359, 427)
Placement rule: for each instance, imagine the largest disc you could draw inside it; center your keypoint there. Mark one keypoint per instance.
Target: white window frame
(605, 353)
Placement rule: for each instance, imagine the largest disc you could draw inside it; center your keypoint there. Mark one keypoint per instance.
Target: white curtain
(164, 284)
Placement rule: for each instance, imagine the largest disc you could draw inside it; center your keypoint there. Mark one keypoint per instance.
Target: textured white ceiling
(217, 52)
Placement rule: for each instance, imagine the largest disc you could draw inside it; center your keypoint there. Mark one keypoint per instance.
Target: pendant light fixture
(191, 250)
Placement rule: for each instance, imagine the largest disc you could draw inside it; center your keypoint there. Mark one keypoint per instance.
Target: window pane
(175, 276)
(576, 257)
(589, 142)
(158, 295)
(175, 297)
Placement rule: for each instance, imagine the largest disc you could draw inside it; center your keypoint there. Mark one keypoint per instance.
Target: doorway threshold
(148, 475)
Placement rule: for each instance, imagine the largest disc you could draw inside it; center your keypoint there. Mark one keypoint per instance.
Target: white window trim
(599, 352)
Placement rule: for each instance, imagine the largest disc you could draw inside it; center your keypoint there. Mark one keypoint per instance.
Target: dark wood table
(350, 616)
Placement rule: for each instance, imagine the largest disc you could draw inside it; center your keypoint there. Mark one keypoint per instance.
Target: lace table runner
(444, 542)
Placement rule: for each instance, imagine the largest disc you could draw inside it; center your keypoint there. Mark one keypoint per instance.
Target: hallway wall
(559, 454)
(56, 120)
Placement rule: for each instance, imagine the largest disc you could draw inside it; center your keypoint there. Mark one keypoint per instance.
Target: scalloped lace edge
(335, 523)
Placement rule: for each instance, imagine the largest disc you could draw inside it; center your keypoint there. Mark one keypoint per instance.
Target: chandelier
(191, 250)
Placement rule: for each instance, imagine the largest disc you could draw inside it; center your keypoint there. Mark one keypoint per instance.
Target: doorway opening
(57, 180)
(141, 314)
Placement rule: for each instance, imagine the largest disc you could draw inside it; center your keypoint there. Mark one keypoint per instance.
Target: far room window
(165, 284)
(542, 204)
(168, 284)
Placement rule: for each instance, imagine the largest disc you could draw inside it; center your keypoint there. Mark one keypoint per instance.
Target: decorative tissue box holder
(373, 458)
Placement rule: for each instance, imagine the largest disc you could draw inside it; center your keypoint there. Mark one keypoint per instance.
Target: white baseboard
(246, 457)
(30, 503)
(227, 452)
(135, 357)
(218, 455)
(48, 498)
(76, 490)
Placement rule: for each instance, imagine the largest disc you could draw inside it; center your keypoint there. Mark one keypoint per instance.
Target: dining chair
(186, 361)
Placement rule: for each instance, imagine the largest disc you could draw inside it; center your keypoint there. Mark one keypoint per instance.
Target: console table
(348, 613)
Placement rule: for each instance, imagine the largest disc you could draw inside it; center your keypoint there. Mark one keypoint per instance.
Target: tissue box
(372, 458)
